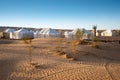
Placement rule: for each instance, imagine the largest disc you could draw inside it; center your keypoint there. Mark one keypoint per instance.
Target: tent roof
(48, 31)
(85, 31)
(107, 31)
(10, 30)
(43, 30)
(66, 33)
(22, 30)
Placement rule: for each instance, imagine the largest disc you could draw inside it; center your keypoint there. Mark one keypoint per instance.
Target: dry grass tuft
(81, 42)
(59, 44)
(76, 43)
(61, 52)
(30, 48)
(95, 45)
(65, 56)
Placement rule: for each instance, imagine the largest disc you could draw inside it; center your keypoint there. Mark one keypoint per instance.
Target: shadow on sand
(6, 41)
(6, 67)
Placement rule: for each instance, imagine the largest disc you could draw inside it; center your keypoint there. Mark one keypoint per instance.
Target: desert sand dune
(90, 63)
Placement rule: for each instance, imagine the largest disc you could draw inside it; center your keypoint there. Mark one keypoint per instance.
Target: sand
(90, 64)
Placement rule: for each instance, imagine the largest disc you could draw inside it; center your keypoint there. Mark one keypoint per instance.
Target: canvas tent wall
(22, 33)
(7, 32)
(43, 32)
(1, 34)
(97, 33)
(108, 33)
(48, 32)
(72, 35)
(52, 33)
(66, 33)
(39, 34)
(36, 34)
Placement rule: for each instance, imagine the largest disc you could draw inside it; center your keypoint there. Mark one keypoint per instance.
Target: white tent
(98, 33)
(52, 33)
(22, 33)
(108, 33)
(72, 35)
(43, 32)
(39, 34)
(66, 33)
(36, 34)
(48, 32)
(8, 31)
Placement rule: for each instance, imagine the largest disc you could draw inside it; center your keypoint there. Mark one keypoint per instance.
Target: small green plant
(30, 47)
(79, 40)
(94, 30)
(118, 32)
(79, 34)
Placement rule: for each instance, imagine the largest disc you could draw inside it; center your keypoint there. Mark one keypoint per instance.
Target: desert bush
(73, 46)
(95, 45)
(94, 29)
(118, 32)
(75, 43)
(79, 34)
(30, 47)
(59, 44)
(96, 39)
(79, 39)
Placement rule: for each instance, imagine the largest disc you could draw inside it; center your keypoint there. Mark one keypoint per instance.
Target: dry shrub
(76, 43)
(73, 46)
(81, 42)
(95, 45)
(30, 48)
(61, 52)
(74, 59)
(96, 39)
(59, 44)
(65, 56)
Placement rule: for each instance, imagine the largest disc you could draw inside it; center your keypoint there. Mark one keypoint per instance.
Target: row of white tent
(89, 35)
(24, 33)
(48, 32)
(72, 35)
(108, 33)
(19, 34)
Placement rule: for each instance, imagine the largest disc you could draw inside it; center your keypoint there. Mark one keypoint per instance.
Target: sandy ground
(90, 63)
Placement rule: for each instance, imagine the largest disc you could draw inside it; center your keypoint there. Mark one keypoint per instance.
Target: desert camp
(20, 34)
(72, 35)
(59, 39)
(7, 32)
(46, 32)
(108, 33)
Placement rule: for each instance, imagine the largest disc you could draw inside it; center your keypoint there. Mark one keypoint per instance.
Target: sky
(60, 14)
